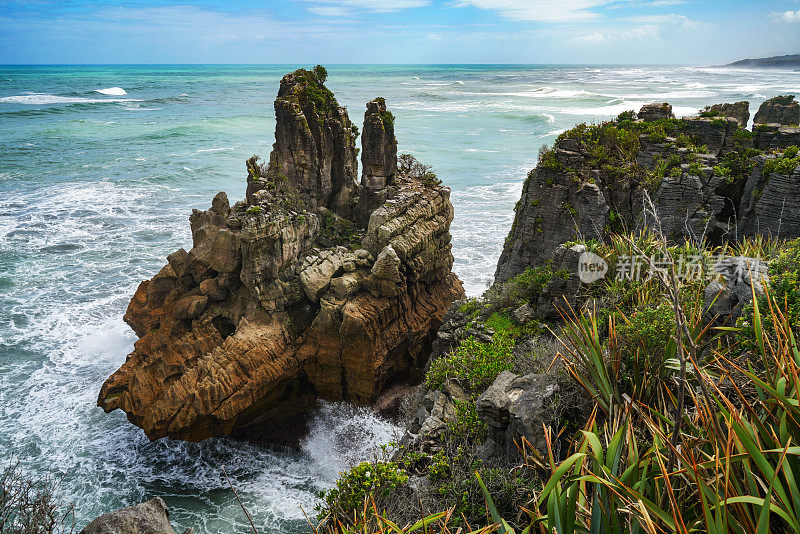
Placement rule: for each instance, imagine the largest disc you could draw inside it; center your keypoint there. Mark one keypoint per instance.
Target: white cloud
(540, 10)
(671, 19)
(634, 34)
(335, 8)
(329, 11)
(786, 16)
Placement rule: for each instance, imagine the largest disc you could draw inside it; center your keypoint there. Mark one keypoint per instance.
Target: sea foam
(112, 91)
(46, 99)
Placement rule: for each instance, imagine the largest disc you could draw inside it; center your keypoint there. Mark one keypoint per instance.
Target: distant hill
(769, 62)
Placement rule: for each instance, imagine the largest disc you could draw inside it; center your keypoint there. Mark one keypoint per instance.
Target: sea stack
(309, 289)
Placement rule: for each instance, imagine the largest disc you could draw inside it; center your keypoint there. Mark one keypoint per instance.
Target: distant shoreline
(768, 62)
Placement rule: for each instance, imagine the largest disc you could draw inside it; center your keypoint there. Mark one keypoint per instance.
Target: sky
(694, 32)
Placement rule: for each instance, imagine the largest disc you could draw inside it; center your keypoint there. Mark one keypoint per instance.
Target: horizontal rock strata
(283, 299)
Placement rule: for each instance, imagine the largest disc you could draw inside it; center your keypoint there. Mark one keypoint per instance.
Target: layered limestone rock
(707, 178)
(282, 299)
(738, 110)
(378, 158)
(314, 148)
(782, 110)
(654, 112)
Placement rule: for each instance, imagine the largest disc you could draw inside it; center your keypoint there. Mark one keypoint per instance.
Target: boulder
(782, 110)
(151, 517)
(514, 407)
(740, 277)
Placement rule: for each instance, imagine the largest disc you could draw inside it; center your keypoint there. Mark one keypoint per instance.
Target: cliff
(708, 178)
(315, 286)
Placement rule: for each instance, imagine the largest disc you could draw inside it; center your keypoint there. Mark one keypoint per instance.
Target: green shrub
(467, 425)
(409, 167)
(474, 363)
(784, 282)
(525, 287)
(783, 100)
(321, 73)
(784, 163)
(376, 479)
(626, 116)
(548, 160)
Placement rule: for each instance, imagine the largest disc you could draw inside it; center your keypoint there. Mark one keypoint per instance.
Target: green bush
(467, 425)
(525, 287)
(474, 363)
(784, 282)
(784, 163)
(376, 479)
(321, 73)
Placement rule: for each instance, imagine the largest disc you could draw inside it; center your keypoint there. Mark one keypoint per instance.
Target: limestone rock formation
(738, 110)
(707, 178)
(783, 110)
(378, 158)
(151, 517)
(654, 112)
(740, 277)
(282, 299)
(516, 407)
(314, 148)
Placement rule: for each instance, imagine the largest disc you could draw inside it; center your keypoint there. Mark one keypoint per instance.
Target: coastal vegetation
(661, 401)
(686, 425)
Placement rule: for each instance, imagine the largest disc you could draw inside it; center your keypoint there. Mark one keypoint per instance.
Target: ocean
(100, 167)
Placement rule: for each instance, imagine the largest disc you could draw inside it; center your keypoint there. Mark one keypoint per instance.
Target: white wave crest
(45, 99)
(112, 91)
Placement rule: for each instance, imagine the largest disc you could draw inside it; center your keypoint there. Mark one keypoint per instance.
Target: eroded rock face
(314, 146)
(654, 112)
(695, 193)
(378, 158)
(278, 304)
(516, 407)
(738, 110)
(783, 110)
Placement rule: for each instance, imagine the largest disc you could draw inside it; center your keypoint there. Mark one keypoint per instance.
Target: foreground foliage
(693, 428)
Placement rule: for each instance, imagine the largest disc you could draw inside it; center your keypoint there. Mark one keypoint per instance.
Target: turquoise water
(95, 191)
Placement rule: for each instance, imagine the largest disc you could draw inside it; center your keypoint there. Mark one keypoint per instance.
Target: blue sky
(397, 31)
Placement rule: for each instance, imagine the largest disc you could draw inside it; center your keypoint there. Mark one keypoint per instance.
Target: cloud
(671, 19)
(786, 16)
(335, 8)
(540, 10)
(329, 11)
(640, 33)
